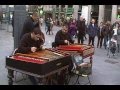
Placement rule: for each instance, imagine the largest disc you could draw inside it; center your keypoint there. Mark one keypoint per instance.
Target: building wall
(76, 8)
(114, 13)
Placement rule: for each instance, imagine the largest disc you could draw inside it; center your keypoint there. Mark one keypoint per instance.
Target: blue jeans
(105, 41)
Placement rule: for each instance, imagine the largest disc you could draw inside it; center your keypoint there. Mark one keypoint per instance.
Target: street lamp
(40, 10)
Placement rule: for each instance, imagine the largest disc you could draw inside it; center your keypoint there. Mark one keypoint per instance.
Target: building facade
(101, 13)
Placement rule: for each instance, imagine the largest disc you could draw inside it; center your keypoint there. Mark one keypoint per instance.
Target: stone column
(89, 13)
(76, 8)
(19, 18)
(114, 14)
(101, 14)
(53, 9)
(66, 6)
(59, 14)
(0, 15)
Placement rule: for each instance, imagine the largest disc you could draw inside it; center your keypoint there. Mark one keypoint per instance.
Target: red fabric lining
(28, 59)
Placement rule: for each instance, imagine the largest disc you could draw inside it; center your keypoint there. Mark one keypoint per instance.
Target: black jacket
(27, 42)
(81, 27)
(27, 26)
(60, 37)
(100, 33)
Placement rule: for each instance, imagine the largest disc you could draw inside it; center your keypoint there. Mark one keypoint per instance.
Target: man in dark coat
(100, 34)
(29, 24)
(31, 42)
(81, 30)
(63, 37)
(92, 31)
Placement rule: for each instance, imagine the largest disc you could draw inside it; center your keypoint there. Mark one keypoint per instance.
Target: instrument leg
(10, 76)
(91, 61)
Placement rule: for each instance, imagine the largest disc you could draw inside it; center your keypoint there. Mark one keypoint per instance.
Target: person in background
(51, 25)
(73, 29)
(81, 30)
(29, 23)
(92, 31)
(48, 25)
(107, 32)
(100, 35)
(118, 38)
(41, 20)
(45, 24)
(116, 33)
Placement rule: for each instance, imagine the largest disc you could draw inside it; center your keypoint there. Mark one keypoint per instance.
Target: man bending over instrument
(31, 42)
(63, 37)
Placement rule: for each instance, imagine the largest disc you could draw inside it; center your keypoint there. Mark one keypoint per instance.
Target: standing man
(81, 30)
(100, 35)
(92, 31)
(29, 23)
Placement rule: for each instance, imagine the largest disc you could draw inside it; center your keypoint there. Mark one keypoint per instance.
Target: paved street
(106, 71)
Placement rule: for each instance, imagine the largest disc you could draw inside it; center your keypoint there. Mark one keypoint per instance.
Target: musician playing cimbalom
(63, 38)
(31, 42)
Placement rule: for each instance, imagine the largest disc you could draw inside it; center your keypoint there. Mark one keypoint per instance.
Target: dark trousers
(48, 30)
(118, 45)
(100, 40)
(80, 39)
(91, 39)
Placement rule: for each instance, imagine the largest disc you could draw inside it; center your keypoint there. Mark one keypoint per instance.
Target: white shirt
(115, 31)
